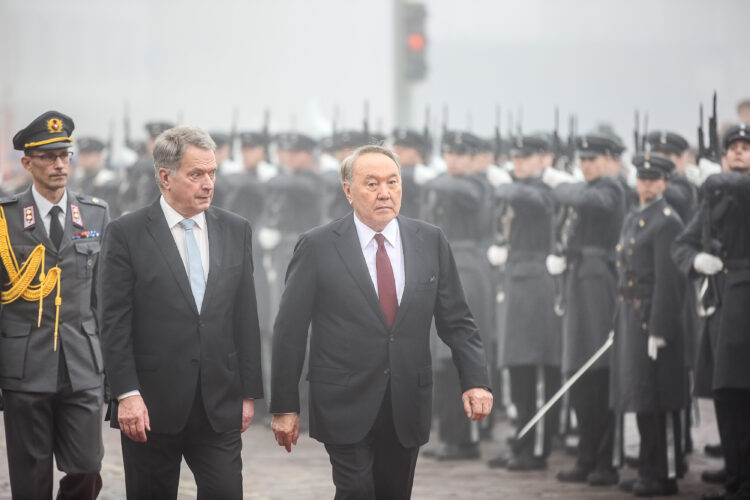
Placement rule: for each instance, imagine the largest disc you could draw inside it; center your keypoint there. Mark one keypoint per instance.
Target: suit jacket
(28, 361)
(353, 352)
(156, 340)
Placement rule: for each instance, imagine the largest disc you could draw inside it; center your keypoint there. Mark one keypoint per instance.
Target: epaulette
(92, 200)
(8, 199)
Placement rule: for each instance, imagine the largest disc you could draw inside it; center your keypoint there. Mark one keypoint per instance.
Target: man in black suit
(370, 284)
(180, 328)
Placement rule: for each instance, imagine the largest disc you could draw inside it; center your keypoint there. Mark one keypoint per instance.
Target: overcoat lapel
(216, 234)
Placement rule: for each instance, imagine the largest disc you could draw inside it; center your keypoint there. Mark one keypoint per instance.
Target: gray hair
(171, 144)
(347, 166)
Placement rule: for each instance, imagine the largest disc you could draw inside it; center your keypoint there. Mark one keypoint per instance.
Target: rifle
(366, 121)
(233, 131)
(702, 153)
(557, 149)
(266, 135)
(110, 145)
(126, 127)
(426, 134)
(498, 138)
(636, 133)
(645, 132)
(714, 150)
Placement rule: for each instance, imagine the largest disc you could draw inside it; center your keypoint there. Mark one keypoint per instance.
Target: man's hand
(286, 429)
(654, 344)
(132, 416)
(248, 411)
(477, 403)
(707, 264)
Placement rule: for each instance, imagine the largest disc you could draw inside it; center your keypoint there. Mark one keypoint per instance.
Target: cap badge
(663, 138)
(29, 217)
(75, 215)
(584, 143)
(54, 125)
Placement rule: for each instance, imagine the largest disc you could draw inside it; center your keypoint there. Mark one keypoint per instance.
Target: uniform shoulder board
(92, 200)
(667, 211)
(6, 200)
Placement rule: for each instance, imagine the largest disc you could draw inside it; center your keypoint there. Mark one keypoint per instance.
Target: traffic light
(415, 63)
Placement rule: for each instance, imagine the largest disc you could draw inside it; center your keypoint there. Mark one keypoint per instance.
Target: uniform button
(641, 222)
(630, 283)
(386, 371)
(632, 240)
(391, 338)
(618, 247)
(726, 271)
(630, 251)
(644, 326)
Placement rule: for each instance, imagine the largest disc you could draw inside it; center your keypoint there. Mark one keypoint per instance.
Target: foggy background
(195, 61)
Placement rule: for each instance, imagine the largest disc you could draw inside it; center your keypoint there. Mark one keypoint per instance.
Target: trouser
(454, 428)
(152, 469)
(530, 387)
(661, 453)
(589, 397)
(733, 418)
(376, 468)
(66, 425)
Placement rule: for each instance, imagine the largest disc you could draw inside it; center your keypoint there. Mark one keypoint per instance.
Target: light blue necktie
(195, 266)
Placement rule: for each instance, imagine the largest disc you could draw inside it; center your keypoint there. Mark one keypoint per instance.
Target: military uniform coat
(27, 359)
(725, 349)
(532, 329)
(592, 229)
(650, 297)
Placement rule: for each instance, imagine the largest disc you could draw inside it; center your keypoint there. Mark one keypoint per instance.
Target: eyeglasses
(50, 158)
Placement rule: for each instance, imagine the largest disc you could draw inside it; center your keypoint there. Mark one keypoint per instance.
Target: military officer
(531, 341)
(460, 203)
(648, 374)
(91, 177)
(714, 246)
(51, 371)
(413, 150)
(592, 228)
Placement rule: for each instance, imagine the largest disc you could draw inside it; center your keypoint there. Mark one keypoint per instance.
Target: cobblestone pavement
(271, 473)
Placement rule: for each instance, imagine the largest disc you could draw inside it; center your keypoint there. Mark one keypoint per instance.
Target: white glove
(554, 177)
(497, 255)
(498, 176)
(556, 264)
(707, 264)
(269, 238)
(707, 167)
(654, 344)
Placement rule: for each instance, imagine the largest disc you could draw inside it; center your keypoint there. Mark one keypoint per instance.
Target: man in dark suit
(180, 328)
(370, 284)
(51, 369)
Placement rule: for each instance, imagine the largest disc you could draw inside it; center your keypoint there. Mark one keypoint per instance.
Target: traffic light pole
(401, 87)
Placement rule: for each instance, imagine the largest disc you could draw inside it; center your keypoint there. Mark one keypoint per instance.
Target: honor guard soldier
(596, 209)
(681, 194)
(138, 188)
(648, 375)
(51, 371)
(343, 143)
(91, 177)
(714, 248)
(413, 150)
(224, 149)
(460, 203)
(530, 346)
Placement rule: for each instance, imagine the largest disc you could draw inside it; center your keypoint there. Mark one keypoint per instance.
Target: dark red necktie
(386, 282)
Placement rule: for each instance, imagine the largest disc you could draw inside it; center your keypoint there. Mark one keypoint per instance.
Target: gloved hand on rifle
(497, 255)
(705, 263)
(554, 177)
(556, 264)
(654, 344)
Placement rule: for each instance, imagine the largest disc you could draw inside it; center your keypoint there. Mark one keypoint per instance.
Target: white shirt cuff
(128, 394)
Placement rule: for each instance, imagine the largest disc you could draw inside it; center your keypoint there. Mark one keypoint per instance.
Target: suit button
(386, 371)
(391, 338)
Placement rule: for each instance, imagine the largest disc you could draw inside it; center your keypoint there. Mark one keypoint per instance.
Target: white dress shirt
(44, 206)
(393, 248)
(201, 237)
(199, 231)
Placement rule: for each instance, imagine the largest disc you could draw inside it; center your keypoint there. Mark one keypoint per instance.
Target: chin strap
(20, 278)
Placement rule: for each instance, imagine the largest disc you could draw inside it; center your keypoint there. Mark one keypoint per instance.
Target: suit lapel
(37, 232)
(411, 241)
(347, 245)
(159, 230)
(216, 234)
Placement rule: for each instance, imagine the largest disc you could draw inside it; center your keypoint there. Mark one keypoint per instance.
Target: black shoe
(632, 461)
(647, 487)
(714, 476)
(456, 452)
(713, 450)
(627, 484)
(603, 477)
(499, 461)
(575, 475)
(714, 495)
(524, 463)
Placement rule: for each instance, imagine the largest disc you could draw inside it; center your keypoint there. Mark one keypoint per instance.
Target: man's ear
(164, 179)
(347, 191)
